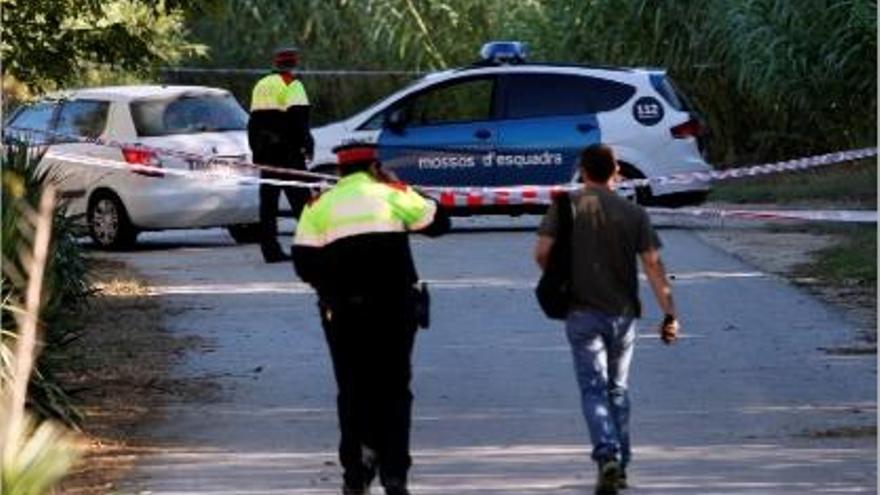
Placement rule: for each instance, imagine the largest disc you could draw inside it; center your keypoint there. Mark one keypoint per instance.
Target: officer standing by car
(279, 136)
(352, 246)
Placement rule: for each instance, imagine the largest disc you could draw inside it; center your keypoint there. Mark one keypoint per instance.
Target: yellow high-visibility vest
(272, 93)
(359, 204)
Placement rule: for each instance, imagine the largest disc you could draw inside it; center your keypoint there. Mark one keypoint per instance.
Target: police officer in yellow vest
(279, 136)
(352, 246)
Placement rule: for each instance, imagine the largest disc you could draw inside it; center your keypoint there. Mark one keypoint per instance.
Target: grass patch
(853, 261)
(845, 275)
(846, 185)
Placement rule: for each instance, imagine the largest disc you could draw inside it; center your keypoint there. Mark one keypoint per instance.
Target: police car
(507, 122)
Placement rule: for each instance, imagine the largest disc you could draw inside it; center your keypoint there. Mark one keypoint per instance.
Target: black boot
(274, 253)
(350, 490)
(396, 486)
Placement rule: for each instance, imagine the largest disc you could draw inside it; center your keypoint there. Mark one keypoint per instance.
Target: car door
(442, 135)
(545, 123)
(67, 164)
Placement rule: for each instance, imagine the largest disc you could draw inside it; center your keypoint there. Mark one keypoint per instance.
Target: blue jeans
(602, 346)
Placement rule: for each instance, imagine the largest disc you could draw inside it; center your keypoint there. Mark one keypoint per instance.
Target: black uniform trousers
(371, 347)
(298, 197)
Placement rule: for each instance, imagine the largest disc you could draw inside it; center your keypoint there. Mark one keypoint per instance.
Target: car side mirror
(396, 121)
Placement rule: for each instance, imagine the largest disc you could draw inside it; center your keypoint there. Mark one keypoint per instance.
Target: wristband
(668, 319)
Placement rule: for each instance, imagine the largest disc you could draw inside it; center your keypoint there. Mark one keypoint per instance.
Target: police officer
(279, 136)
(352, 246)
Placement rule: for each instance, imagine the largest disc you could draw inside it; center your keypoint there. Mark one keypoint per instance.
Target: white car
(506, 122)
(118, 203)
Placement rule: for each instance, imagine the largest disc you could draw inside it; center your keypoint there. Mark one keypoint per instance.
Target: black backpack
(554, 287)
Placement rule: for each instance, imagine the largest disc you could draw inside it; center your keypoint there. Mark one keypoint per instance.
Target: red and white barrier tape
(226, 176)
(528, 194)
(496, 196)
(525, 191)
(187, 156)
(476, 196)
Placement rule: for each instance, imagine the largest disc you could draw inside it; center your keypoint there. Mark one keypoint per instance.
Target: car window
(374, 122)
(36, 117)
(465, 101)
(669, 92)
(542, 95)
(82, 118)
(188, 114)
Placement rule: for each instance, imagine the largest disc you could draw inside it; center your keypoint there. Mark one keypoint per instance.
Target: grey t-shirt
(609, 233)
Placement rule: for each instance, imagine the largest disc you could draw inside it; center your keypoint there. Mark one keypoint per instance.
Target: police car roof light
(504, 52)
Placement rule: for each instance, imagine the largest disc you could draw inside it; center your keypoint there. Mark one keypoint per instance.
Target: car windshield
(188, 114)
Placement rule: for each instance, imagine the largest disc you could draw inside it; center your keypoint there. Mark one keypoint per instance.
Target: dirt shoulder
(118, 373)
(794, 255)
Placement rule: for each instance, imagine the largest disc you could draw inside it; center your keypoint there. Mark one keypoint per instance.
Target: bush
(65, 283)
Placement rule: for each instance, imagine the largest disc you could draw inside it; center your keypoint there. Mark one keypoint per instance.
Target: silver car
(142, 192)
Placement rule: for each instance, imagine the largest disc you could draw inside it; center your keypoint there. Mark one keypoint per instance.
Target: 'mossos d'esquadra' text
(490, 159)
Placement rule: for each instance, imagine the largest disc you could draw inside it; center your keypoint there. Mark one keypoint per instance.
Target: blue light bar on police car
(504, 52)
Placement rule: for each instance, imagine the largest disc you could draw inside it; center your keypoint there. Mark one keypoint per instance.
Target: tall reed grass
(774, 78)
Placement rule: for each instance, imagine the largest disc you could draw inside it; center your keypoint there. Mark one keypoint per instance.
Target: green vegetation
(854, 261)
(35, 453)
(775, 78)
(37, 459)
(851, 185)
(65, 281)
(52, 44)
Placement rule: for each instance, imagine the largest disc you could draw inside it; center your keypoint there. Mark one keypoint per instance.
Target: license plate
(223, 166)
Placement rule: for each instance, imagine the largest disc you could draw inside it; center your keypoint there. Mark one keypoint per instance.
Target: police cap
(285, 58)
(354, 153)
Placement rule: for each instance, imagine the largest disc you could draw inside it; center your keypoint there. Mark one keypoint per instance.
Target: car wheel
(642, 194)
(109, 225)
(247, 233)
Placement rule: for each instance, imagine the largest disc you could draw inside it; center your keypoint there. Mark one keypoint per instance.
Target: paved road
(734, 408)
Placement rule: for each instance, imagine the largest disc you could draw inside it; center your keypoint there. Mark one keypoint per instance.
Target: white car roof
(622, 74)
(629, 75)
(129, 93)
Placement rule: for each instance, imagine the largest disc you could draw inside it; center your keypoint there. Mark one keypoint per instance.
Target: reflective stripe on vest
(360, 205)
(271, 93)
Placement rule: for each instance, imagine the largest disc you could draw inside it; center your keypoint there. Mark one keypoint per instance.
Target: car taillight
(143, 158)
(691, 128)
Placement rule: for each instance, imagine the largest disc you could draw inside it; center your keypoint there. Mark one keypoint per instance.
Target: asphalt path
(746, 403)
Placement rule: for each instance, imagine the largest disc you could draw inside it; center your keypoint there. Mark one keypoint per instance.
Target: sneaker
(622, 483)
(609, 477)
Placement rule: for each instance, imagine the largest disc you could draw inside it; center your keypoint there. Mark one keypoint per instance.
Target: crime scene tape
(190, 157)
(474, 196)
(480, 196)
(148, 170)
